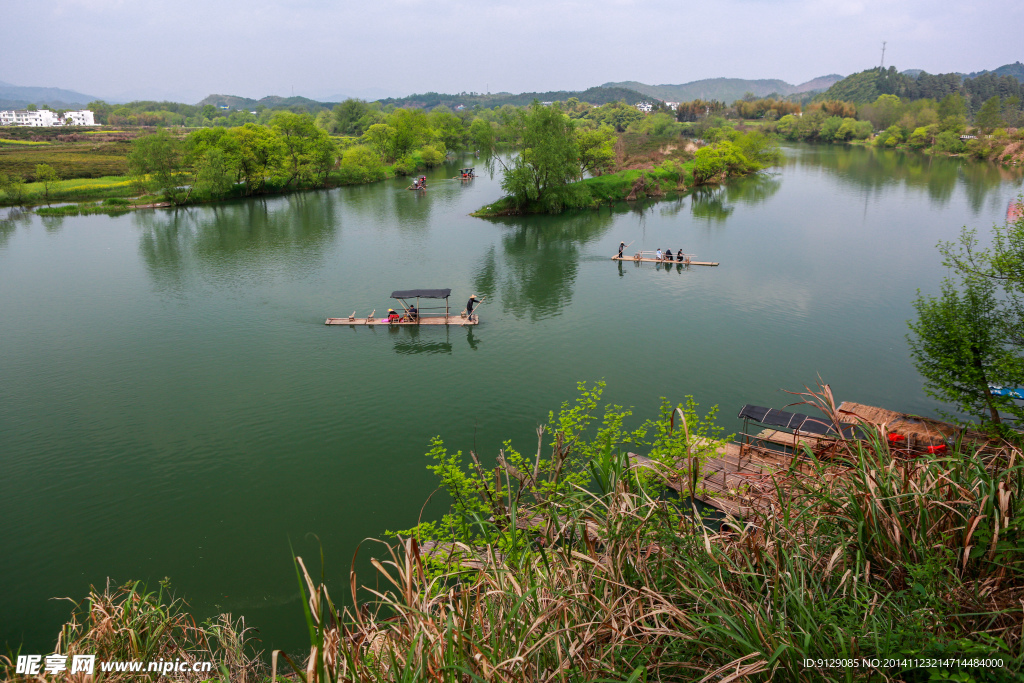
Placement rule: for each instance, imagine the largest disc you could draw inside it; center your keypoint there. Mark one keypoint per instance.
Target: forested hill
(600, 95)
(867, 85)
(270, 102)
(432, 99)
(1016, 70)
(725, 89)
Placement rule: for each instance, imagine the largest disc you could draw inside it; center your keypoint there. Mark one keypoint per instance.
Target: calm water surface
(171, 403)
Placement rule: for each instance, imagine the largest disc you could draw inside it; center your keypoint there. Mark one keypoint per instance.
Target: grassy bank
(571, 565)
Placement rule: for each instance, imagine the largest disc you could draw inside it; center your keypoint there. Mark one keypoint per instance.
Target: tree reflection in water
(539, 261)
(236, 237)
(876, 170)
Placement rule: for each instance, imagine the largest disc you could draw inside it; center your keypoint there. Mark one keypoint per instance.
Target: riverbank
(573, 561)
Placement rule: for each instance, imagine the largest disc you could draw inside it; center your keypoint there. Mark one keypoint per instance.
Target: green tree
(548, 158)
(597, 149)
(13, 187)
(256, 151)
(449, 129)
(302, 140)
(46, 175)
(958, 347)
(989, 116)
(380, 137)
(481, 134)
(158, 159)
(953, 104)
(412, 130)
(723, 159)
(214, 173)
(347, 116)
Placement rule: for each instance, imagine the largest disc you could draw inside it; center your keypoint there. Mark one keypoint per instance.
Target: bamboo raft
(432, 320)
(664, 262)
(413, 314)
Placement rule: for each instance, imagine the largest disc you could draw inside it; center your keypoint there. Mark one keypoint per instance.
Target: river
(171, 403)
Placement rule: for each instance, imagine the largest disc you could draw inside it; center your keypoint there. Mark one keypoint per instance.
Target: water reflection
(408, 340)
(10, 218)
(539, 261)
(716, 203)
(874, 171)
(240, 235)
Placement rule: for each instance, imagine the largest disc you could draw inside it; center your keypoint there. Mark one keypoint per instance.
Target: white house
(23, 117)
(645, 107)
(79, 118)
(45, 118)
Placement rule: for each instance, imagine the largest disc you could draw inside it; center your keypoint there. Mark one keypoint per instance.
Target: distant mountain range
(725, 89)
(18, 97)
(270, 102)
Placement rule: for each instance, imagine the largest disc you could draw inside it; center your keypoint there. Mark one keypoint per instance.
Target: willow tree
(959, 346)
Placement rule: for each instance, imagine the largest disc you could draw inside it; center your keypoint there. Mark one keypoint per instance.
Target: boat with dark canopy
(413, 313)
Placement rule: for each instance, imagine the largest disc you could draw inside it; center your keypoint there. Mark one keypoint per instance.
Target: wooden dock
(735, 485)
(664, 262)
(432, 320)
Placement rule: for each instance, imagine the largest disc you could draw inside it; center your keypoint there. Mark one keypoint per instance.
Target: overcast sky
(186, 49)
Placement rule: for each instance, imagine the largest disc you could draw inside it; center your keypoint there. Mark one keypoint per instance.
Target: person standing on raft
(469, 305)
(622, 245)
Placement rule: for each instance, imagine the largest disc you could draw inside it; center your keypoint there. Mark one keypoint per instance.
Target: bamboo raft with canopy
(413, 314)
(651, 257)
(465, 174)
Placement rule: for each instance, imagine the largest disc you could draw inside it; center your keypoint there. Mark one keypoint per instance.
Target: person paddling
(469, 305)
(622, 245)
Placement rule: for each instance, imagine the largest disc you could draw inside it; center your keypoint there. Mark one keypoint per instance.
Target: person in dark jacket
(622, 245)
(469, 305)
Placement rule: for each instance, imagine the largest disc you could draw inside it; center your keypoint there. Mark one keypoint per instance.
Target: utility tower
(882, 68)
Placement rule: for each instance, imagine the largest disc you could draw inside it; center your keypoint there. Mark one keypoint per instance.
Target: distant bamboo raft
(431, 320)
(664, 262)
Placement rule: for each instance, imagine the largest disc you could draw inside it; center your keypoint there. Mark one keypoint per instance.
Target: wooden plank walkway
(734, 485)
(439, 320)
(665, 262)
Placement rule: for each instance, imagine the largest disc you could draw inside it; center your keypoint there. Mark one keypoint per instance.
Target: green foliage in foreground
(972, 335)
(576, 565)
(580, 564)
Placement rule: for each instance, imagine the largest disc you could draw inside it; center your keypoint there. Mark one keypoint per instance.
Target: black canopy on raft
(421, 293)
(794, 421)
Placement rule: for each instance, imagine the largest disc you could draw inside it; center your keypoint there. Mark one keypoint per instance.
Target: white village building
(645, 107)
(43, 118)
